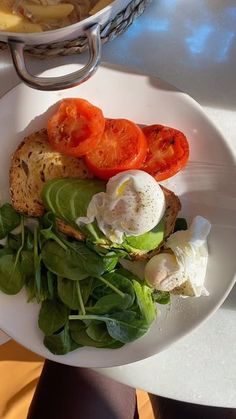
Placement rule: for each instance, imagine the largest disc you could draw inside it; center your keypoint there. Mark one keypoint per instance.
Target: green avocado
(147, 241)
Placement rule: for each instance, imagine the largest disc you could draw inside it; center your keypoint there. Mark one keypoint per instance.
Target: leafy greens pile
(87, 298)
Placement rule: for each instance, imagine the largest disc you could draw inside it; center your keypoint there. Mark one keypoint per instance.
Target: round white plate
(204, 189)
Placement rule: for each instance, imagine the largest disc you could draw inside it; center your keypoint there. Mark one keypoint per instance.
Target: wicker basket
(109, 31)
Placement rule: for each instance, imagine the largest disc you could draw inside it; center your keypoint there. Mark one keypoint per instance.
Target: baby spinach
(81, 338)
(75, 262)
(161, 297)
(94, 335)
(50, 284)
(48, 234)
(60, 343)
(14, 241)
(5, 251)
(123, 326)
(110, 303)
(64, 263)
(122, 283)
(89, 260)
(27, 263)
(11, 277)
(52, 316)
(68, 291)
(110, 260)
(9, 219)
(37, 262)
(145, 302)
(46, 289)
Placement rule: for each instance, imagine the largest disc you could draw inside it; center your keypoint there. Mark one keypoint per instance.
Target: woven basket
(109, 31)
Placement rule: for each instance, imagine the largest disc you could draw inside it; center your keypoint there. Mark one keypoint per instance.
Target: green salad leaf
(161, 297)
(145, 301)
(9, 219)
(64, 263)
(11, 277)
(68, 291)
(61, 343)
(52, 316)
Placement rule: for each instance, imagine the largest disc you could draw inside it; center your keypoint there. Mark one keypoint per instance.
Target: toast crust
(34, 163)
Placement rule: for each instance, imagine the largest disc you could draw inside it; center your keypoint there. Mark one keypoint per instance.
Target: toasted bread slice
(173, 207)
(32, 164)
(35, 162)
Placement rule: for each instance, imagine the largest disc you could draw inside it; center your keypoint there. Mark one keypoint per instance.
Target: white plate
(205, 189)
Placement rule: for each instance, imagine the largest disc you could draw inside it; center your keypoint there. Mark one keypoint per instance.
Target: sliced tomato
(76, 127)
(168, 151)
(123, 146)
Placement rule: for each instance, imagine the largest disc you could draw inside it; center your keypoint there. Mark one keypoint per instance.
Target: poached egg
(132, 205)
(181, 268)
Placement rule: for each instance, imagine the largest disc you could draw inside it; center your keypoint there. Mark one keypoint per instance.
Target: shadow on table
(13, 351)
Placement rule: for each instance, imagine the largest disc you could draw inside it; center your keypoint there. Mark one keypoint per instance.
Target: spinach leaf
(122, 283)
(110, 260)
(11, 277)
(48, 220)
(110, 303)
(64, 263)
(68, 291)
(124, 326)
(145, 302)
(14, 241)
(161, 297)
(83, 336)
(5, 251)
(89, 261)
(37, 262)
(46, 290)
(29, 240)
(86, 286)
(98, 332)
(121, 328)
(48, 234)
(60, 343)
(27, 263)
(50, 284)
(9, 219)
(52, 316)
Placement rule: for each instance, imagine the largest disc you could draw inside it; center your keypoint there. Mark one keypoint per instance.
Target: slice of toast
(33, 164)
(173, 206)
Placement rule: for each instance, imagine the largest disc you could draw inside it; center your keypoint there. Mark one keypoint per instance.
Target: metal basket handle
(62, 82)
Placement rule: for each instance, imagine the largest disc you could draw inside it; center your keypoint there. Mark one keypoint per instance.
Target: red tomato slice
(123, 146)
(76, 127)
(168, 151)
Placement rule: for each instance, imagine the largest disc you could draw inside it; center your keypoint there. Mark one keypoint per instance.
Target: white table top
(192, 46)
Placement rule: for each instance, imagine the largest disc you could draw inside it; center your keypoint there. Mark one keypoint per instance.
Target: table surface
(192, 46)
